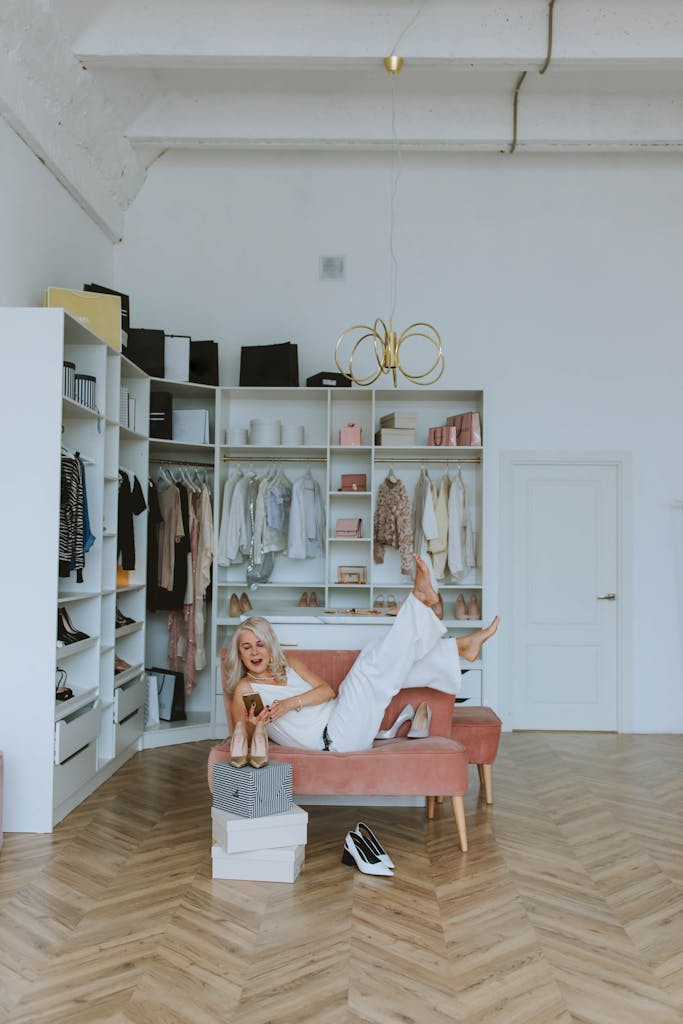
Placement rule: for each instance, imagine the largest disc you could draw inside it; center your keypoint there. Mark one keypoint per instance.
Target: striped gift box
(252, 792)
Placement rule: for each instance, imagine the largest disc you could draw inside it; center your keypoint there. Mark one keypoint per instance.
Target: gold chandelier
(384, 342)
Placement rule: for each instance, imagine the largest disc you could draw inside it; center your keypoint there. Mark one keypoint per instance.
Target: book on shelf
(400, 436)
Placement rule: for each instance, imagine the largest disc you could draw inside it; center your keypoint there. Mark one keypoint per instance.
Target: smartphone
(253, 700)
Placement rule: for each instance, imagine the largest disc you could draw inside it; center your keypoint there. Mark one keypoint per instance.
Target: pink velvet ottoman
(478, 729)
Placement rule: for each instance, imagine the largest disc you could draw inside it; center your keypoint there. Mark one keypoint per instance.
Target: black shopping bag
(269, 366)
(171, 690)
(204, 362)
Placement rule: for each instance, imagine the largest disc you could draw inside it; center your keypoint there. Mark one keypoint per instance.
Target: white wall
(46, 238)
(555, 281)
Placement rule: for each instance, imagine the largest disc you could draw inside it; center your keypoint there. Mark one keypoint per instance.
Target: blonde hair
(232, 666)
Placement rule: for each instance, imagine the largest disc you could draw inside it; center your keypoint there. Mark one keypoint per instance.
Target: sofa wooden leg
(430, 806)
(488, 782)
(459, 812)
(439, 799)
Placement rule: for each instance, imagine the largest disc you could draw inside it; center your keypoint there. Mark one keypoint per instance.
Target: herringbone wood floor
(568, 907)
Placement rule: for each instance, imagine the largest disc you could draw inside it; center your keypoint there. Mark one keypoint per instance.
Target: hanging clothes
(424, 520)
(154, 521)
(131, 503)
(306, 537)
(438, 546)
(461, 553)
(238, 532)
(71, 518)
(392, 523)
(222, 555)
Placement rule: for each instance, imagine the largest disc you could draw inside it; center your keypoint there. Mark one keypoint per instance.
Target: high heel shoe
(313, 599)
(405, 716)
(234, 606)
(421, 722)
(245, 603)
(239, 746)
(258, 751)
(460, 607)
(358, 852)
(303, 601)
(66, 631)
(473, 611)
(366, 833)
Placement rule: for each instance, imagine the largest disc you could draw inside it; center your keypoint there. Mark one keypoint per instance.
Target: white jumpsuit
(413, 652)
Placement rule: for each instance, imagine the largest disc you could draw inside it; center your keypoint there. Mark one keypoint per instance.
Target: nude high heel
(234, 606)
(460, 607)
(239, 746)
(258, 751)
(245, 603)
(405, 716)
(421, 722)
(473, 611)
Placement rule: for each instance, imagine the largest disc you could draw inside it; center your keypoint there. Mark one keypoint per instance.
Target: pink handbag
(443, 437)
(349, 528)
(468, 426)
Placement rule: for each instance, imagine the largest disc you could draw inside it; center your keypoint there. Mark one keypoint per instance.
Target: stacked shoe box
(258, 833)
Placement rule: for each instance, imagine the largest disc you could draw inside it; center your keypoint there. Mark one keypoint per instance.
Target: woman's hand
(279, 708)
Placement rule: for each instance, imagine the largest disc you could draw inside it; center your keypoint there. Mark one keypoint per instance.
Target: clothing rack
(273, 458)
(435, 462)
(180, 462)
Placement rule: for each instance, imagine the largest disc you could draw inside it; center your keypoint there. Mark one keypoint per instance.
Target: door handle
(607, 597)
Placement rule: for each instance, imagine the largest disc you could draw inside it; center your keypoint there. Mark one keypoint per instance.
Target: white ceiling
(101, 88)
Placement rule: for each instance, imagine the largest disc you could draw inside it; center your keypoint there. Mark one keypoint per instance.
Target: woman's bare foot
(470, 646)
(423, 589)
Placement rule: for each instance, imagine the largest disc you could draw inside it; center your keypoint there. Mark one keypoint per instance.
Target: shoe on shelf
(234, 606)
(62, 692)
(358, 852)
(122, 620)
(313, 599)
(406, 715)
(239, 746)
(245, 603)
(473, 610)
(419, 728)
(379, 602)
(120, 665)
(303, 601)
(66, 631)
(258, 751)
(460, 607)
(392, 604)
(366, 833)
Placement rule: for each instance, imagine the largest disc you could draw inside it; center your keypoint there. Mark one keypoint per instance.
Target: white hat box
(264, 432)
(237, 834)
(282, 864)
(291, 434)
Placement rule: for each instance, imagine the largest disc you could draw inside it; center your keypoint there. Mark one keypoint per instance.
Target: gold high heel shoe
(258, 751)
(239, 746)
(245, 603)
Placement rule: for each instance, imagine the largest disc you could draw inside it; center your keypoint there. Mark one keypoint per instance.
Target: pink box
(350, 434)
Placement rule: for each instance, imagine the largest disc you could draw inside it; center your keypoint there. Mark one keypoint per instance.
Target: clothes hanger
(391, 475)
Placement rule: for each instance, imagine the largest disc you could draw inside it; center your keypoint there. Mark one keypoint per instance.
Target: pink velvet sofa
(397, 767)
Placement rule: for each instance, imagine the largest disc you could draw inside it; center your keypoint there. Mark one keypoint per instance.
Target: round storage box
(265, 432)
(236, 436)
(292, 435)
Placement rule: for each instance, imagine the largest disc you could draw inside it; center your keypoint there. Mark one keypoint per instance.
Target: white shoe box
(236, 834)
(282, 864)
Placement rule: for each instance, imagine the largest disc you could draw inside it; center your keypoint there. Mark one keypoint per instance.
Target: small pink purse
(349, 528)
(443, 437)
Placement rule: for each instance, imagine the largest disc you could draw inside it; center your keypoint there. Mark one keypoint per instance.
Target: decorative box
(252, 792)
(191, 426)
(350, 434)
(328, 380)
(265, 432)
(353, 482)
(161, 414)
(236, 834)
(291, 434)
(84, 389)
(69, 380)
(101, 314)
(399, 420)
(278, 865)
(349, 528)
(352, 575)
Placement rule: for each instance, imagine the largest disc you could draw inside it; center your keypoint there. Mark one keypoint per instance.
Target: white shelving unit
(57, 753)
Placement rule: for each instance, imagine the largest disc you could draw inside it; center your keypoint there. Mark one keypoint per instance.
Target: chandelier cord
(396, 169)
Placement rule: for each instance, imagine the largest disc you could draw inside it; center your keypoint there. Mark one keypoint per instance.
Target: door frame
(621, 461)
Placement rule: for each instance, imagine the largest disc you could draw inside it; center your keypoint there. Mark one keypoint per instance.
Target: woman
(302, 710)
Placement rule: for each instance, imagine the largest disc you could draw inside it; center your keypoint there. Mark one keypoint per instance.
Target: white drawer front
(69, 777)
(129, 698)
(129, 731)
(76, 731)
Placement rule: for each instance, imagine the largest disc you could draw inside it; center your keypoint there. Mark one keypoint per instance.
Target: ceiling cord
(542, 71)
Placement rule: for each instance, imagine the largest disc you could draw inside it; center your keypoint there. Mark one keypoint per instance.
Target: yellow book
(100, 313)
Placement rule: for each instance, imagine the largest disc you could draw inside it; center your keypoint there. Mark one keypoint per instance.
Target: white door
(562, 563)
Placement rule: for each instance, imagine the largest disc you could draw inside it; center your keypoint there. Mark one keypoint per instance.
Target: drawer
(76, 730)
(470, 686)
(129, 730)
(74, 773)
(128, 698)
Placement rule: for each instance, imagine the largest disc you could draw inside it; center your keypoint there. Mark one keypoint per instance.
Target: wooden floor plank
(568, 908)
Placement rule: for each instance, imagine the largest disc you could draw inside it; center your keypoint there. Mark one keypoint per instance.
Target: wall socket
(332, 268)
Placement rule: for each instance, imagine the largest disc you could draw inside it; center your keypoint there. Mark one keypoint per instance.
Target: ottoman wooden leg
(486, 779)
(459, 812)
(430, 806)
